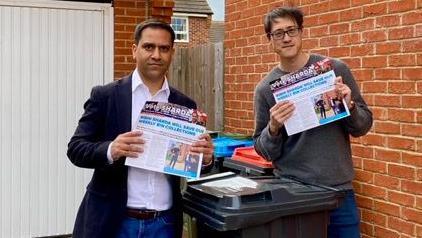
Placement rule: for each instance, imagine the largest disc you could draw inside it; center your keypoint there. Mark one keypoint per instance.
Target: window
(180, 26)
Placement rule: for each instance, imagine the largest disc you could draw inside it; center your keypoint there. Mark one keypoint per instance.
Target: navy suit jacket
(107, 114)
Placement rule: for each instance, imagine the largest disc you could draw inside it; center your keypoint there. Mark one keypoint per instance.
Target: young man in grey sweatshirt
(321, 155)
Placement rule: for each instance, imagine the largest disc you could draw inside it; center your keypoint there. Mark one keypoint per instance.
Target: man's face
(288, 46)
(153, 53)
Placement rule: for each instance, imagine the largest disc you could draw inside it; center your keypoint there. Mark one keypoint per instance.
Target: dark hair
(294, 13)
(152, 23)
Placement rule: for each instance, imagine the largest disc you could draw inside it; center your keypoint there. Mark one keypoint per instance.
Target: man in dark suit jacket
(120, 199)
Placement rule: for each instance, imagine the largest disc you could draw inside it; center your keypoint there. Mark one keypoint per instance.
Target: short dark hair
(152, 23)
(294, 13)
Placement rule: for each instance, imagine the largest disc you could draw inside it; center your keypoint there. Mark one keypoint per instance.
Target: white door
(51, 54)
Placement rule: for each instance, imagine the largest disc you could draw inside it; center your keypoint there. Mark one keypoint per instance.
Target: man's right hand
(279, 113)
(129, 144)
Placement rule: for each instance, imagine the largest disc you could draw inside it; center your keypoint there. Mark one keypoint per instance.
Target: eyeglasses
(279, 34)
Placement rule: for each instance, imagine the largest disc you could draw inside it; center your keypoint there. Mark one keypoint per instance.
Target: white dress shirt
(146, 189)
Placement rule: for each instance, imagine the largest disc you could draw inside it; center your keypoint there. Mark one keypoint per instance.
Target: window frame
(181, 32)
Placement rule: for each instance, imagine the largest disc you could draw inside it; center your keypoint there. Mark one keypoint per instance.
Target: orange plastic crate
(248, 155)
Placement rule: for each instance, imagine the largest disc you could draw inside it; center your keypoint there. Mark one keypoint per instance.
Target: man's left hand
(204, 145)
(343, 91)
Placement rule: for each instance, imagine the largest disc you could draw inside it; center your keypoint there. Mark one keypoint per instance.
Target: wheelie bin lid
(229, 202)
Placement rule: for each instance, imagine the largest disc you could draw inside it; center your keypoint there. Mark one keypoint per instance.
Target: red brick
(412, 102)
(332, 17)
(384, 233)
(367, 230)
(349, 39)
(363, 74)
(388, 20)
(361, 50)
(404, 199)
(379, 113)
(387, 155)
(309, 43)
(412, 130)
(374, 192)
(419, 87)
(328, 41)
(337, 52)
(361, 2)
(412, 214)
(249, 50)
(401, 115)
(412, 18)
(386, 127)
(318, 31)
(401, 226)
(410, 158)
(401, 87)
(374, 87)
(362, 151)
(122, 51)
(373, 139)
(401, 143)
(319, 8)
(337, 5)
(419, 227)
(411, 46)
(401, 33)
(388, 48)
(419, 146)
(374, 9)
(339, 28)
(351, 14)
(386, 181)
(374, 166)
(401, 6)
(363, 25)
(374, 36)
(364, 176)
(402, 60)
(386, 208)
(163, 3)
(364, 201)
(388, 100)
(354, 63)
(124, 4)
(401, 171)
(418, 31)
(374, 61)
(418, 202)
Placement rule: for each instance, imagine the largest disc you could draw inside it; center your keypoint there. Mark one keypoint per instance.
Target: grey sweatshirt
(321, 155)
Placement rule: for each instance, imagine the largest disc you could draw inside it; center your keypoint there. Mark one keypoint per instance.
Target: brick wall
(199, 28)
(381, 42)
(127, 14)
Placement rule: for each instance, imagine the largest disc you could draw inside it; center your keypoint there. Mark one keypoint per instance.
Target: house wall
(199, 30)
(381, 42)
(127, 14)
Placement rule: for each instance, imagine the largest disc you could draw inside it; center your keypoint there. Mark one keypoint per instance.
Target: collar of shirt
(137, 82)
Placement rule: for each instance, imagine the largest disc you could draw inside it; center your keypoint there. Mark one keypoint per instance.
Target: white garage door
(51, 54)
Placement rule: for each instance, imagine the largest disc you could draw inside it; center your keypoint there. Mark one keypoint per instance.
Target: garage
(51, 54)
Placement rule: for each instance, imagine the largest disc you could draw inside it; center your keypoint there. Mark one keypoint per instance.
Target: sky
(217, 7)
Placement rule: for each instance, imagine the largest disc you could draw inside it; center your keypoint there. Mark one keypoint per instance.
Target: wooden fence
(198, 72)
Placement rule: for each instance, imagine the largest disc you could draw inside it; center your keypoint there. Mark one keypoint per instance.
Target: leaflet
(312, 90)
(169, 131)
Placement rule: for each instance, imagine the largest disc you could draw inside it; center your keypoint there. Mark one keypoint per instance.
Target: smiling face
(288, 47)
(153, 54)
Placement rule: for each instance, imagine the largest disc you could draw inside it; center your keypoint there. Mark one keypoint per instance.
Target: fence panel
(198, 72)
